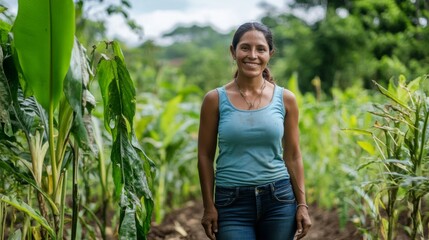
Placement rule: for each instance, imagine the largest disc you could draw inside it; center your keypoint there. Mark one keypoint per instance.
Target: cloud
(223, 15)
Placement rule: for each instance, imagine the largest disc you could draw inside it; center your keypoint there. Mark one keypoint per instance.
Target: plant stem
(42, 207)
(52, 149)
(415, 216)
(391, 212)
(3, 215)
(63, 204)
(75, 192)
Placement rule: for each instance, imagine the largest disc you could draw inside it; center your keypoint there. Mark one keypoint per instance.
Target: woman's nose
(252, 54)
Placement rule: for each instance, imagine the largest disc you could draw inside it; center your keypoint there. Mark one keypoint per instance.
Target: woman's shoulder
(289, 99)
(288, 95)
(211, 99)
(213, 95)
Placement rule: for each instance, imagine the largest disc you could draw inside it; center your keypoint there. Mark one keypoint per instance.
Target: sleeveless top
(250, 143)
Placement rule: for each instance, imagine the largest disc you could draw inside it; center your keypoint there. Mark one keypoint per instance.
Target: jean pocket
(284, 193)
(225, 196)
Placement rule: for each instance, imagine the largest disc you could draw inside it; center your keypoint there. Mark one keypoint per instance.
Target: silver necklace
(258, 97)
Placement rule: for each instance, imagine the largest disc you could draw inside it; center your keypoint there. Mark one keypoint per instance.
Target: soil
(185, 223)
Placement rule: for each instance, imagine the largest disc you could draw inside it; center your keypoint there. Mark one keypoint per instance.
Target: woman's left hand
(303, 222)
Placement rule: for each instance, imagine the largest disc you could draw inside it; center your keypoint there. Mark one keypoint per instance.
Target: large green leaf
(128, 169)
(130, 180)
(43, 33)
(117, 90)
(22, 206)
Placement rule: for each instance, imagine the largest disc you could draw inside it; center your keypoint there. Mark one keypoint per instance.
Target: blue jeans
(265, 212)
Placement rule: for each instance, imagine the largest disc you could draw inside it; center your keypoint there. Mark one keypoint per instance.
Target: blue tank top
(250, 143)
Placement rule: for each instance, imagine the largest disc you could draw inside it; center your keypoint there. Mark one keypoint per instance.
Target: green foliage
(168, 135)
(402, 139)
(22, 206)
(129, 173)
(201, 54)
(354, 41)
(28, 129)
(330, 155)
(50, 26)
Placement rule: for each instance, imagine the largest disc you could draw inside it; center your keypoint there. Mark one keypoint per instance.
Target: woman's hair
(249, 26)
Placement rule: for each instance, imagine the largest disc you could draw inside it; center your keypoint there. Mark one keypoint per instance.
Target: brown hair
(249, 26)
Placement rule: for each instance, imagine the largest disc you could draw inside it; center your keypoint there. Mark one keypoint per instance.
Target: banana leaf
(43, 36)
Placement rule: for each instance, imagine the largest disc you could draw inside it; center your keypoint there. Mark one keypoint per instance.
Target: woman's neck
(251, 84)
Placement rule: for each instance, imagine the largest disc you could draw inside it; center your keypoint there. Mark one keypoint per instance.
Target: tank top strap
(223, 98)
(278, 98)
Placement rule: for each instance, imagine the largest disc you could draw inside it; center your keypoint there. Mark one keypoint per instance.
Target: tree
(353, 41)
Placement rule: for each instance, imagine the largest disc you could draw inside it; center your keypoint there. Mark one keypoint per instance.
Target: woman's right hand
(209, 222)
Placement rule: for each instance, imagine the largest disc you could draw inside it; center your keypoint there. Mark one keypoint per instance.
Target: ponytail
(266, 74)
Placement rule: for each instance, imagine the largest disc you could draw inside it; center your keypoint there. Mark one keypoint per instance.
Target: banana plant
(44, 94)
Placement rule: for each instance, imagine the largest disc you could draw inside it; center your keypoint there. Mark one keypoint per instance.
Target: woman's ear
(231, 49)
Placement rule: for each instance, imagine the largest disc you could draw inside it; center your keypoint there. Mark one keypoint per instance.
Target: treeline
(342, 43)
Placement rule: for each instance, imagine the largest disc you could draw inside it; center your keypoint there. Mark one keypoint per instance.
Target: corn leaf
(23, 207)
(367, 147)
(17, 235)
(391, 96)
(9, 167)
(43, 34)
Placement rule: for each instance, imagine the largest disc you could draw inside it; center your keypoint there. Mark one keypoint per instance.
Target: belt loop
(272, 187)
(237, 191)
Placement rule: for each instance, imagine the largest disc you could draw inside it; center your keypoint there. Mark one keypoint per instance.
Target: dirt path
(185, 224)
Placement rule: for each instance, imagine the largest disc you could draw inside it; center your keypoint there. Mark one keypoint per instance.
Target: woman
(259, 182)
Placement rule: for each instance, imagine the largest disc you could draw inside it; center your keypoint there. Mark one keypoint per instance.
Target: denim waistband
(259, 188)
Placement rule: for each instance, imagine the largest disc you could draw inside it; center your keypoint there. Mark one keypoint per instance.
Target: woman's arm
(293, 160)
(207, 141)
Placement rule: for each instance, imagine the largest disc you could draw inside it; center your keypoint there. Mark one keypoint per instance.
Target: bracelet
(302, 204)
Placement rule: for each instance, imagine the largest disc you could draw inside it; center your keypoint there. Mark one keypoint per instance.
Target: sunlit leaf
(367, 147)
(43, 33)
(357, 131)
(391, 96)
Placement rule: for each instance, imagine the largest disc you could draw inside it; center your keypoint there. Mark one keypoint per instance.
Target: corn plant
(44, 97)
(326, 149)
(167, 130)
(401, 139)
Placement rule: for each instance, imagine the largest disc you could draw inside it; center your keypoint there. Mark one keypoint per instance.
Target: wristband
(302, 204)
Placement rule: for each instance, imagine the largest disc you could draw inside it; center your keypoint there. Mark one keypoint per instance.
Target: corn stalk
(403, 152)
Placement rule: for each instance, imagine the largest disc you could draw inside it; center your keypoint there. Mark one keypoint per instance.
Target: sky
(161, 16)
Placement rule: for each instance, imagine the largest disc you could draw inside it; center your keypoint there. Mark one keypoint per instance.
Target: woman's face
(252, 54)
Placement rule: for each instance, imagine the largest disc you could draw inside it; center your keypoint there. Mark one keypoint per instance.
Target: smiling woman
(257, 189)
